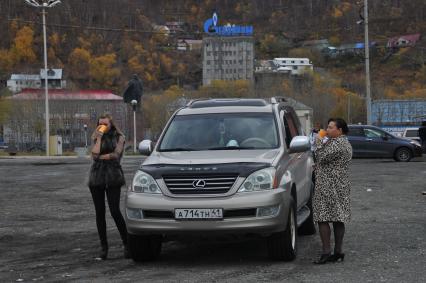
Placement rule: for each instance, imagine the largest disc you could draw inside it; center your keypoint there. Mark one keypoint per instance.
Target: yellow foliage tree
(79, 63)
(6, 62)
(226, 89)
(166, 63)
(135, 66)
(23, 47)
(102, 70)
(157, 109)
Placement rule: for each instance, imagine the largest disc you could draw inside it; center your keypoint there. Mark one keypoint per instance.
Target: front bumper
(239, 214)
(417, 151)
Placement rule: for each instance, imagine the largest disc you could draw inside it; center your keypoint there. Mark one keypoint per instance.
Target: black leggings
(113, 197)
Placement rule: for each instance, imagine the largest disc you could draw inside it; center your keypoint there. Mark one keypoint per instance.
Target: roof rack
(195, 100)
(278, 99)
(220, 102)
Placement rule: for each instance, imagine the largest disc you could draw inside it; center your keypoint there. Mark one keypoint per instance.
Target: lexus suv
(224, 167)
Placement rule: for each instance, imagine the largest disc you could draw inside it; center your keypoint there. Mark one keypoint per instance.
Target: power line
(102, 29)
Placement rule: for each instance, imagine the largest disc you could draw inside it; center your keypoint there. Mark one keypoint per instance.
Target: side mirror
(299, 144)
(145, 147)
(385, 138)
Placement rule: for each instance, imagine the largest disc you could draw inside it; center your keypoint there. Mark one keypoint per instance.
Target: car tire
(403, 154)
(144, 248)
(308, 227)
(282, 245)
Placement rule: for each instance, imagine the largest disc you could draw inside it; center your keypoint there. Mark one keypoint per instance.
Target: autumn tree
(226, 89)
(23, 47)
(157, 109)
(79, 64)
(102, 71)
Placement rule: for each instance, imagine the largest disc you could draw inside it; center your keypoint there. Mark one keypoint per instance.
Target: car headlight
(144, 183)
(415, 143)
(259, 181)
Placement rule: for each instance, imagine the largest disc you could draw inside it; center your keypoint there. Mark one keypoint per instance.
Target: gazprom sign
(210, 26)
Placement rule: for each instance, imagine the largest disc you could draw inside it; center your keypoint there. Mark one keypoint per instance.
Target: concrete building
(297, 66)
(54, 78)
(18, 82)
(228, 58)
(189, 45)
(69, 112)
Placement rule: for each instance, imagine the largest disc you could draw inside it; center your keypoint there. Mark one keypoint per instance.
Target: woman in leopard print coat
(331, 201)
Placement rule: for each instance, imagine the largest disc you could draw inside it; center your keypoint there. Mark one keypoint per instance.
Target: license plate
(199, 213)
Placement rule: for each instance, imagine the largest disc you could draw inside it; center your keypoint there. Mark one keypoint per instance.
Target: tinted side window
(290, 129)
(356, 132)
(372, 133)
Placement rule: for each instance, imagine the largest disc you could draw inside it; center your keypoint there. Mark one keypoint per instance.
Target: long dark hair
(340, 124)
(114, 127)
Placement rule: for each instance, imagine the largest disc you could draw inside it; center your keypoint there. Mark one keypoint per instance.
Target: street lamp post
(134, 104)
(45, 4)
(367, 63)
(85, 134)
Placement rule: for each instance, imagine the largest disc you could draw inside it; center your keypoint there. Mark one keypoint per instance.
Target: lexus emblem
(199, 184)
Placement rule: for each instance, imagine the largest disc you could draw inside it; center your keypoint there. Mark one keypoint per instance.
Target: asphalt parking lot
(48, 232)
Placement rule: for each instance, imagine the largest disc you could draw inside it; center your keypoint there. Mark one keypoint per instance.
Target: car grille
(207, 184)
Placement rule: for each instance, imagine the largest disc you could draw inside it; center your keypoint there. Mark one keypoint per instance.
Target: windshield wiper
(178, 149)
(231, 147)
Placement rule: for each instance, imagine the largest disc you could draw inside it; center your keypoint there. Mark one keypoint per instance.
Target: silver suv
(224, 167)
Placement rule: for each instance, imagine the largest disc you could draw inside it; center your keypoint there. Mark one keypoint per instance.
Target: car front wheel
(144, 248)
(282, 245)
(403, 154)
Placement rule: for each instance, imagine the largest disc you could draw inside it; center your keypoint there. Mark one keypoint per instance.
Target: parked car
(371, 141)
(3, 145)
(412, 133)
(224, 167)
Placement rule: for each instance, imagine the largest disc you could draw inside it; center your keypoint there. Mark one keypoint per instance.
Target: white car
(412, 134)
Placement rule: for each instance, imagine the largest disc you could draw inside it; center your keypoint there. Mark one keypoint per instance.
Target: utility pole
(349, 109)
(134, 103)
(367, 64)
(45, 4)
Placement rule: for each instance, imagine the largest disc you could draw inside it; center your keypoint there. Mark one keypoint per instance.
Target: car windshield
(221, 132)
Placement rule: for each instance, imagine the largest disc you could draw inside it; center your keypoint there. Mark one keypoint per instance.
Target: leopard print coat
(331, 200)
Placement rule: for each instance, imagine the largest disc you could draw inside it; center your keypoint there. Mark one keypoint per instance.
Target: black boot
(104, 252)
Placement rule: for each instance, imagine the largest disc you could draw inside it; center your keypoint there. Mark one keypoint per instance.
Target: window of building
(294, 67)
(208, 62)
(292, 62)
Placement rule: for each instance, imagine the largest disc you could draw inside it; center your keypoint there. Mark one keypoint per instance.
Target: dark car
(370, 141)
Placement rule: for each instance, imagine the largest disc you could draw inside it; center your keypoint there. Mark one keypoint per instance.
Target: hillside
(100, 43)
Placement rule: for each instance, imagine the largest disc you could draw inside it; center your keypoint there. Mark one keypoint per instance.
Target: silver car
(224, 167)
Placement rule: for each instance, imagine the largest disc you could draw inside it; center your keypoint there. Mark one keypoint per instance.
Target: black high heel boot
(104, 252)
(323, 259)
(336, 256)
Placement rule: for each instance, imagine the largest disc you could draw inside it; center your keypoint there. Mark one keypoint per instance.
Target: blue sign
(210, 26)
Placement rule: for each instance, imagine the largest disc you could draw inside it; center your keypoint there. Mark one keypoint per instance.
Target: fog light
(134, 213)
(268, 211)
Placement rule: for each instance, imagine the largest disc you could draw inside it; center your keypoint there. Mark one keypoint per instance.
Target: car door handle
(368, 139)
